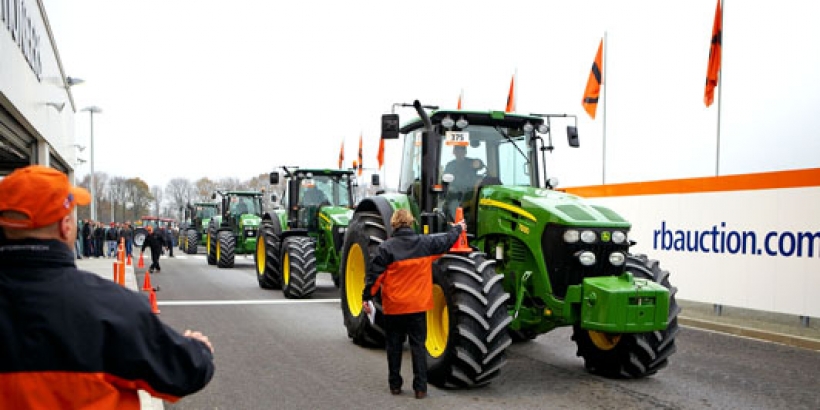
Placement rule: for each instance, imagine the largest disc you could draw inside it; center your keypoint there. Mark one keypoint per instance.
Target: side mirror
(374, 180)
(390, 126)
(572, 136)
(273, 198)
(213, 196)
(274, 178)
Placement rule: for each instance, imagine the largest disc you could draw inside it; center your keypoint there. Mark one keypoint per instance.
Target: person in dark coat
(87, 239)
(69, 338)
(99, 240)
(155, 241)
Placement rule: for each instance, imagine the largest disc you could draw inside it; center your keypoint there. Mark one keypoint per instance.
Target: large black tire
(267, 256)
(210, 246)
(467, 334)
(192, 242)
(632, 355)
(364, 234)
(225, 249)
(298, 267)
(139, 236)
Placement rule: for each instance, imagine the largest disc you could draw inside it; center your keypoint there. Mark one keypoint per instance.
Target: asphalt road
(275, 353)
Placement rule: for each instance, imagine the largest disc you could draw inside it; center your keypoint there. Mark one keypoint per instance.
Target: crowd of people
(95, 239)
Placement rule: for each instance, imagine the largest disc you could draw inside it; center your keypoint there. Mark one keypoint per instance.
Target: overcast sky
(233, 89)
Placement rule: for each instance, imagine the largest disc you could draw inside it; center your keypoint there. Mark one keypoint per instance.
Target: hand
(462, 224)
(199, 336)
(366, 306)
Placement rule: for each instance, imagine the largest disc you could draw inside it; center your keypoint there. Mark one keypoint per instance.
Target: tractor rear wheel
(632, 355)
(210, 247)
(364, 234)
(467, 333)
(225, 249)
(298, 267)
(192, 240)
(139, 236)
(267, 257)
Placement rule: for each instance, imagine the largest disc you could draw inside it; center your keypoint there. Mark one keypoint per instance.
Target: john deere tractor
(538, 258)
(233, 230)
(197, 217)
(304, 236)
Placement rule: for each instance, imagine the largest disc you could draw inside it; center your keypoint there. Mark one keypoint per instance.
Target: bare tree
(117, 189)
(156, 193)
(203, 189)
(139, 197)
(230, 184)
(179, 191)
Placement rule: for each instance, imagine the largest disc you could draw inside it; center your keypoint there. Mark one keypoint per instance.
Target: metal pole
(93, 195)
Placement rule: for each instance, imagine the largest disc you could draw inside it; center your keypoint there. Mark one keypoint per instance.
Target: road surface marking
(243, 302)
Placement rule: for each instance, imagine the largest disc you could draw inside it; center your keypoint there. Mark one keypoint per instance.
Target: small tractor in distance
(197, 217)
(233, 230)
(141, 231)
(541, 258)
(304, 236)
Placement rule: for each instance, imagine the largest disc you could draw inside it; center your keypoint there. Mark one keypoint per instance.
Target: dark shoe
(421, 394)
(395, 391)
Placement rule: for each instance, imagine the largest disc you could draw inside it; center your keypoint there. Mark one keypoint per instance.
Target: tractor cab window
(315, 191)
(205, 211)
(244, 205)
(514, 166)
(411, 164)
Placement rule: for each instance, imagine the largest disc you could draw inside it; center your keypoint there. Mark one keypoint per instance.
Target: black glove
(366, 294)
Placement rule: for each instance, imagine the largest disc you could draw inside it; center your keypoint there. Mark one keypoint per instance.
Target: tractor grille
(563, 265)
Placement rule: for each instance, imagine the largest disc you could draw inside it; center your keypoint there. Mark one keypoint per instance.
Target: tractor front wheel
(267, 257)
(210, 247)
(364, 234)
(192, 241)
(225, 249)
(632, 355)
(467, 333)
(298, 267)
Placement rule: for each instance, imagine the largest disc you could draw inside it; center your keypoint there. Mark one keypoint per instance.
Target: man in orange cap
(70, 338)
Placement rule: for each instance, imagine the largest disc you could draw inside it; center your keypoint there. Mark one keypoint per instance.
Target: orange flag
(593, 90)
(380, 155)
(360, 155)
(713, 67)
(342, 154)
(511, 97)
(459, 99)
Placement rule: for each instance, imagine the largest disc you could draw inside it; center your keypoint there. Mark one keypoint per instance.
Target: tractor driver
(463, 170)
(313, 196)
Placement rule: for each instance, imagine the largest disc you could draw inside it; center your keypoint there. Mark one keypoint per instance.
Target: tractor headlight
(618, 237)
(528, 127)
(447, 122)
(462, 123)
(586, 258)
(342, 230)
(617, 258)
(571, 236)
(543, 129)
(588, 236)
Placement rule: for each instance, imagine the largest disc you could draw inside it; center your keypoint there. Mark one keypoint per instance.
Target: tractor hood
(249, 220)
(549, 206)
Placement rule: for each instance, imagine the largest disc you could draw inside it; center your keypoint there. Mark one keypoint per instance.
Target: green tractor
(233, 230)
(539, 258)
(197, 218)
(304, 236)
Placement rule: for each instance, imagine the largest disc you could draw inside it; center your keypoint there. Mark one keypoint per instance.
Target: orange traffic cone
(121, 275)
(116, 277)
(146, 283)
(140, 263)
(461, 244)
(128, 261)
(152, 298)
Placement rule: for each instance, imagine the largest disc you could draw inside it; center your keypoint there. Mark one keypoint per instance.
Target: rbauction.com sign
(748, 240)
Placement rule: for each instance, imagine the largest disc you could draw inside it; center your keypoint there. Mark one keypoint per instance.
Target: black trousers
(414, 327)
(154, 261)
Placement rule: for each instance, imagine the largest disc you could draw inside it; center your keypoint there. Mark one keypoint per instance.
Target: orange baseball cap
(42, 194)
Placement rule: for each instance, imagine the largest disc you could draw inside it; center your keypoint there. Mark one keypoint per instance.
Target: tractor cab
(474, 151)
(309, 190)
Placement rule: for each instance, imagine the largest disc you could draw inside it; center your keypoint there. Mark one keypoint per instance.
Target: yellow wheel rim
(438, 324)
(208, 243)
(354, 279)
(286, 268)
(604, 341)
(260, 256)
(218, 250)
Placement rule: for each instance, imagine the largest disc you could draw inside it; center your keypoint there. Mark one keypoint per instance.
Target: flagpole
(720, 89)
(515, 91)
(605, 66)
